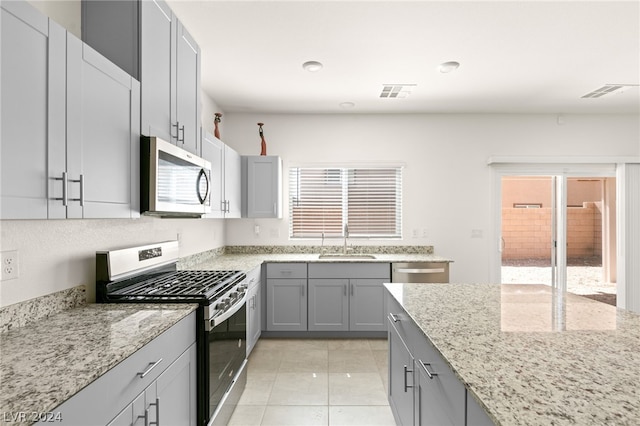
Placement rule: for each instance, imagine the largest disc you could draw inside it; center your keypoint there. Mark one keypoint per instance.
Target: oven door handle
(226, 315)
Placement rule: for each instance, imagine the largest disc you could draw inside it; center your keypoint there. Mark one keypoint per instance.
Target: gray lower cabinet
(423, 390)
(286, 308)
(254, 308)
(347, 296)
(476, 416)
(156, 384)
(169, 400)
(69, 124)
(328, 304)
(400, 378)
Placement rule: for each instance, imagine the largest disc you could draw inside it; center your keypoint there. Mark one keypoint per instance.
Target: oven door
(226, 360)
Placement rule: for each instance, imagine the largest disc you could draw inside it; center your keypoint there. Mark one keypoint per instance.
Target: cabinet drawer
(99, 402)
(350, 270)
(286, 270)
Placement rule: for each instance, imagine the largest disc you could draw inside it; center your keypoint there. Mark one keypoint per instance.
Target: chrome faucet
(346, 235)
(322, 244)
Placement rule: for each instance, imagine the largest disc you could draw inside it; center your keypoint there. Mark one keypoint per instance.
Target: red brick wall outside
(527, 232)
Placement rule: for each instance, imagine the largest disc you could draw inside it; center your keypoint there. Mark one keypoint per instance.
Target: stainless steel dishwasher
(420, 272)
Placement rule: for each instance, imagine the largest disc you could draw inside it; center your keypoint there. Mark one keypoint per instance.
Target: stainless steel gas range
(148, 274)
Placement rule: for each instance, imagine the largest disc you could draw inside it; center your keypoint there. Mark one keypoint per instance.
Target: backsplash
(328, 249)
(30, 311)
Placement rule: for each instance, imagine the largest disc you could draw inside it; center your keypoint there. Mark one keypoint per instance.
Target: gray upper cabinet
(187, 85)
(102, 155)
(33, 108)
(232, 183)
(262, 186)
(146, 39)
(70, 124)
(213, 151)
(158, 34)
(225, 177)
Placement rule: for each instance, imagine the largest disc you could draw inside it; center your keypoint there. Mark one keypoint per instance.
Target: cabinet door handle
(157, 404)
(181, 129)
(430, 374)
(394, 317)
(228, 203)
(65, 196)
(149, 368)
(302, 290)
(145, 417)
(177, 126)
(81, 182)
(352, 288)
(406, 385)
(345, 289)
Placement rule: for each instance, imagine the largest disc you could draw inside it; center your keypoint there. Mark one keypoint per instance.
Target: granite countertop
(532, 357)
(247, 262)
(44, 364)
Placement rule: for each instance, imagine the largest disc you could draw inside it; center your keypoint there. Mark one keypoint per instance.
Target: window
(323, 200)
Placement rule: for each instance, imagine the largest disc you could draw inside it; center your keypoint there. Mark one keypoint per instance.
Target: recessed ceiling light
(312, 66)
(447, 67)
(347, 105)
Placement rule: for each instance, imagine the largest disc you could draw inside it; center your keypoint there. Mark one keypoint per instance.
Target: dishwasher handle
(419, 270)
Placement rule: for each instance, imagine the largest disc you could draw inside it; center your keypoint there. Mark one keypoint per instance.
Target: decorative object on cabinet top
(217, 119)
(263, 143)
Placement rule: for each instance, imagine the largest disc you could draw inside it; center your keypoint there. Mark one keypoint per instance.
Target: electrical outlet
(9, 264)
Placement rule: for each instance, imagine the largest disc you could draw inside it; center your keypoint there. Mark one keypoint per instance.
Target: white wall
(67, 13)
(58, 254)
(447, 184)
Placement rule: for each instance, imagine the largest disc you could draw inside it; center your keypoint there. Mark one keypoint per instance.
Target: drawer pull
(149, 368)
(426, 370)
(394, 317)
(406, 370)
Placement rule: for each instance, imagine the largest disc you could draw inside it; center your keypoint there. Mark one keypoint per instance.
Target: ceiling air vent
(396, 90)
(608, 89)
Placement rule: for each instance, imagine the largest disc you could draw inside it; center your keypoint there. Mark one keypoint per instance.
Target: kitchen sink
(345, 256)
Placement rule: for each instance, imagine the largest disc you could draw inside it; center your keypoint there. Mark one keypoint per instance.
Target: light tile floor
(316, 382)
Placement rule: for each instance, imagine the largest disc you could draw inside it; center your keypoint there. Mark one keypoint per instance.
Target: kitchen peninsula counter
(45, 363)
(529, 356)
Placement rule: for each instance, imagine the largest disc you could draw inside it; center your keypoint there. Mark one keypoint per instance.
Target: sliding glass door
(559, 229)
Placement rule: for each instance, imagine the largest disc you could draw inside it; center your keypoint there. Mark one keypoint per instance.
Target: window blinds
(323, 200)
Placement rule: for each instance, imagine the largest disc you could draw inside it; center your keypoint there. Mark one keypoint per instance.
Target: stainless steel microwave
(174, 182)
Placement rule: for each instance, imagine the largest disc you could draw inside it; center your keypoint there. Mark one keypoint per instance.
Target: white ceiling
(516, 57)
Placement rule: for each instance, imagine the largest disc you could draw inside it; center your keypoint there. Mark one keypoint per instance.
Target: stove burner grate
(187, 284)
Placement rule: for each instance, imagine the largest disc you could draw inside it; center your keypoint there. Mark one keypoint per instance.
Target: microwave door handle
(206, 178)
